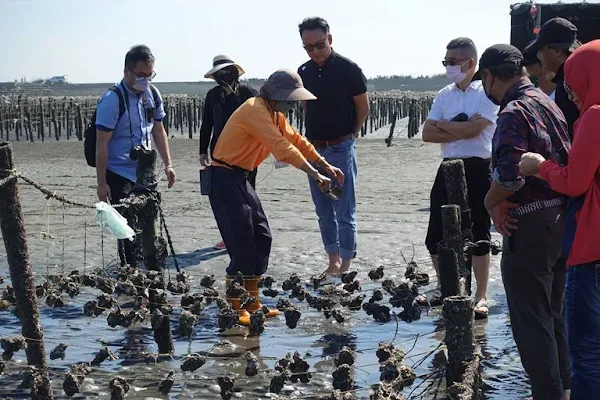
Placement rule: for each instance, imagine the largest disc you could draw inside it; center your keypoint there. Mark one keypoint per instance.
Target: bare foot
(345, 266)
(334, 265)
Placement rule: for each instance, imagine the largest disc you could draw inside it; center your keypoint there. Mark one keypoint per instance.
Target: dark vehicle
(527, 18)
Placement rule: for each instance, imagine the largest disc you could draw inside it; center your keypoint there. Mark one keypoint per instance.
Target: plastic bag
(113, 223)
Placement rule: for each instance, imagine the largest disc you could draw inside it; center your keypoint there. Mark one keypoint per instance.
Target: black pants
(533, 274)
(477, 174)
(120, 188)
(242, 222)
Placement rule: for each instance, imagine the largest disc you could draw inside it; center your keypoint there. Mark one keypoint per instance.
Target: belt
(535, 206)
(326, 143)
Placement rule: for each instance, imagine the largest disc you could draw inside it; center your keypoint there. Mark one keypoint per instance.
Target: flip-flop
(481, 309)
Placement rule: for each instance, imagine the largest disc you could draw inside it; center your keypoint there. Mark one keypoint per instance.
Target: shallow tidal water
(392, 195)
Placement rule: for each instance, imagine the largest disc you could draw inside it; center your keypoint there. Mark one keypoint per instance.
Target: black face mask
(226, 78)
(489, 94)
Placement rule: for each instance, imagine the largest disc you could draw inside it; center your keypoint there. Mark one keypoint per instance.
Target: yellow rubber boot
(251, 285)
(236, 304)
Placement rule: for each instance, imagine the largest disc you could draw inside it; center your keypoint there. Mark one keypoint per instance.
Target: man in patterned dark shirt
(529, 216)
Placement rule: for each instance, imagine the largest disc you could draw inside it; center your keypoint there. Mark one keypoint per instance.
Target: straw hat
(221, 61)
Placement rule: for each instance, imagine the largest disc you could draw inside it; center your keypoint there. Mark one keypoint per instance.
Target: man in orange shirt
(256, 129)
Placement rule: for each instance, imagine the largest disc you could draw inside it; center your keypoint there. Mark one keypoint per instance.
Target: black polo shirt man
(333, 116)
(332, 125)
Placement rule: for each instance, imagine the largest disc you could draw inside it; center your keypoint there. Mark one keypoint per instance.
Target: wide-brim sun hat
(222, 61)
(286, 85)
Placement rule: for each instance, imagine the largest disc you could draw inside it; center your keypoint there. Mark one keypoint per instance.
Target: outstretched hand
(334, 172)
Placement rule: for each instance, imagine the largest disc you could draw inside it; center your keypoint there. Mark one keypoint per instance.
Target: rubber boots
(244, 315)
(251, 285)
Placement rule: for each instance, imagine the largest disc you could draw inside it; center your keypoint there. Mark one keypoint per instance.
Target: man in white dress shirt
(462, 120)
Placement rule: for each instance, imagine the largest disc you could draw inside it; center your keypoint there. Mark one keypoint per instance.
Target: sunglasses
(151, 76)
(320, 45)
(452, 62)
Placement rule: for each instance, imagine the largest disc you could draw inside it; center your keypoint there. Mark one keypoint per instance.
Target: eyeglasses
(320, 45)
(568, 89)
(452, 62)
(151, 76)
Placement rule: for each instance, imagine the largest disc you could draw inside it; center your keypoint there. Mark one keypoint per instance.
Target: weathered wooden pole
(15, 242)
(42, 133)
(29, 133)
(457, 193)
(449, 274)
(391, 135)
(189, 120)
(458, 315)
(453, 236)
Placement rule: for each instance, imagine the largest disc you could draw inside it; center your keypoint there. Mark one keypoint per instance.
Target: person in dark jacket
(220, 102)
(533, 272)
(555, 43)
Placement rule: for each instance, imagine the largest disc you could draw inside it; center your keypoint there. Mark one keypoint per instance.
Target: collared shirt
(451, 101)
(123, 138)
(561, 97)
(335, 83)
(254, 131)
(522, 128)
(218, 107)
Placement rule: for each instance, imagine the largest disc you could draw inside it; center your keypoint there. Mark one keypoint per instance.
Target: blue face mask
(141, 84)
(284, 107)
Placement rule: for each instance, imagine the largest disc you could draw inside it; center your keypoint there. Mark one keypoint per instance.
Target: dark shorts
(478, 176)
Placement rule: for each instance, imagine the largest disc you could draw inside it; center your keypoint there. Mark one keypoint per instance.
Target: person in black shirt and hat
(540, 77)
(555, 43)
(220, 102)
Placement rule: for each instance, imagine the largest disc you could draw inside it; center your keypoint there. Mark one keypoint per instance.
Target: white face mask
(141, 84)
(454, 74)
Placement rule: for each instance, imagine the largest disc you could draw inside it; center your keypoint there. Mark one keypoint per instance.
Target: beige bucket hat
(221, 61)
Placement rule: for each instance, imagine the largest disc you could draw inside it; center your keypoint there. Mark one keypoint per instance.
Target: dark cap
(286, 85)
(556, 32)
(500, 54)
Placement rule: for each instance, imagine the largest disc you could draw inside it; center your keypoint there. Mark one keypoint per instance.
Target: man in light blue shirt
(140, 125)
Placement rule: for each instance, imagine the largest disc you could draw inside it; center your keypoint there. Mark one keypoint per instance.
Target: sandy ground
(393, 198)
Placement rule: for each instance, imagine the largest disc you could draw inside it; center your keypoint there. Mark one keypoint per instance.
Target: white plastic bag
(113, 223)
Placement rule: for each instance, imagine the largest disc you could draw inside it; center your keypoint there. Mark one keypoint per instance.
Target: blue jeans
(583, 329)
(337, 218)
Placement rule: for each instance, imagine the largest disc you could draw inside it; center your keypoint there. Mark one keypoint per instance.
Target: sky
(87, 39)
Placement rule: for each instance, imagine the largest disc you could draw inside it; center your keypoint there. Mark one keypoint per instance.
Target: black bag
(205, 181)
(89, 135)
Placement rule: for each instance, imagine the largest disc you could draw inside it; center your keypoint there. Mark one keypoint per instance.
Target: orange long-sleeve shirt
(253, 132)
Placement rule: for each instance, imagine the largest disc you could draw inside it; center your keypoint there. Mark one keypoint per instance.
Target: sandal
(481, 309)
